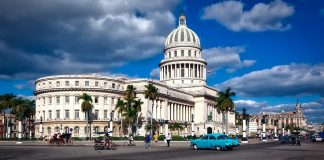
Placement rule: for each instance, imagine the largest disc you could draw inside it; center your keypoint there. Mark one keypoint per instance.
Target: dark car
(286, 139)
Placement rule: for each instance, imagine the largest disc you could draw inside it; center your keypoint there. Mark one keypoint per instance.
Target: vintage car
(214, 141)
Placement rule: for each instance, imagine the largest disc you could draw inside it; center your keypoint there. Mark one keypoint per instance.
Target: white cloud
(282, 80)
(226, 57)
(155, 73)
(260, 17)
(249, 104)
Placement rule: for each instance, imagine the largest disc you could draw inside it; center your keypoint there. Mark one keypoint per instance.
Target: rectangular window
(43, 114)
(97, 84)
(67, 83)
(67, 114)
(76, 114)
(105, 100)
(182, 72)
(112, 101)
(57, 99)
(76, 83)
(86, 83)
(43, 101)
(113, 85)
(105, 114)
(105, 85)
(96, 114)
(49, 114)
(96, 100)
(76, 99)
(50, 84)
(57, 83)
(67, 99)
(57, 114)
(50, 100)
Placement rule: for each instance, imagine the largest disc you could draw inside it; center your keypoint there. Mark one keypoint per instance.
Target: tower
(183, 65)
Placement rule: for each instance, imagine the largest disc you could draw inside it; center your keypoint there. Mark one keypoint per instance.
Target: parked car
(318, 137)
(214, 141)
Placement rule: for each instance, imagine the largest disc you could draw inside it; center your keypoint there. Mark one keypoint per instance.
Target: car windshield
(222, 137)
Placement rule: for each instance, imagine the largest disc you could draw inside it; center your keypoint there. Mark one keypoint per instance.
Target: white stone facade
(183, 98)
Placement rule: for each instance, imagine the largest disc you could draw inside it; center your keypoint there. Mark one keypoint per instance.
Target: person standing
(168, 139)
(147, 141)
(156, 136)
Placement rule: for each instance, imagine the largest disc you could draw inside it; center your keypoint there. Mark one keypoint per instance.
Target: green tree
(6, 102)
(151, 93)
(224, 104)
(86, 107)
(29, 113)
(19, 110)
(121, 107)
(175, 126)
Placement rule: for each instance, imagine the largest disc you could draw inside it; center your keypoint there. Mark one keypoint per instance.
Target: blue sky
(270, 52)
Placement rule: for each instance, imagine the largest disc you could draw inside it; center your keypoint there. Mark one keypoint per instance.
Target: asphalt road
(263, 151)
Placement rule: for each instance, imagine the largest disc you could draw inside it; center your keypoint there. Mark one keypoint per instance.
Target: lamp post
(41, 126)
(275, 130)
(166, 127)
(186, 129)
(244, 139)
(263, 128)
(111, 122)
(192, 125)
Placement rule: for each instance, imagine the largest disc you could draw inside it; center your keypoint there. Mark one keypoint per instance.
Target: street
(263, 151)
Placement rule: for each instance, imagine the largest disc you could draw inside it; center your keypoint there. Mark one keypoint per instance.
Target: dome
(182, 36)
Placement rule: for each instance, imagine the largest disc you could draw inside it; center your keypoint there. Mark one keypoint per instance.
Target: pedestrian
(156, 136)
(147, 141)
(168, 139)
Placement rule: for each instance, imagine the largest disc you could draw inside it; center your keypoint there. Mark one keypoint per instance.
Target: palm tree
(130, 93)
(86, 107)
(7, 101)
(29, 113)
(131, 114)
(19, 111)
(225, 104)
(175, 126)
(152, 94)
(121, 107)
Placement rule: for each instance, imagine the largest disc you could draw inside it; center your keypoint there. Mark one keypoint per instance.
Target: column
(263, 133)
(19, 129)
(166, 128)
(192, 128)
(275, 132)
(244, 139)
(110, 127)
(180, 112)
(171, 113)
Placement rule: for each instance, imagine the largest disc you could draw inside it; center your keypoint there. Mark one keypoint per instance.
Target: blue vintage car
(214, 141)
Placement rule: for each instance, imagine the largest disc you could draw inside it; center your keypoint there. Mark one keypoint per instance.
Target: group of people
(147, 139)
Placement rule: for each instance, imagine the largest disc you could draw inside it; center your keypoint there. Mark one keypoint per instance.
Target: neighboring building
(27, 130)
(184, 96)
(296, 118)
(316, 127)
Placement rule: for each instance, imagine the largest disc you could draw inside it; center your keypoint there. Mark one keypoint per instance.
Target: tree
(6, 102)
(224, 104)
(121, 107)
(175, 126)
(19, 110)
(86, 107)
(152, 94)
(29, 113)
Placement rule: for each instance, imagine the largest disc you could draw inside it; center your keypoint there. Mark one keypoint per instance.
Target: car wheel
(218, 148)
(195, 147)
(229, 148)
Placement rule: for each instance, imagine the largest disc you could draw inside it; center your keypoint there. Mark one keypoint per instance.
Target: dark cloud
(283, 80)
(59, 37)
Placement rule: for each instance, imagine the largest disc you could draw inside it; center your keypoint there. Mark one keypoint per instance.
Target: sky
(271, 53)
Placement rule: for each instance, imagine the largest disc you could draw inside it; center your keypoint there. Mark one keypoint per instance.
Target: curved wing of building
(184, 98)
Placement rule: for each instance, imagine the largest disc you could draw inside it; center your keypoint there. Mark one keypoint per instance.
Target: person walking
(147, 141)
(168, 139)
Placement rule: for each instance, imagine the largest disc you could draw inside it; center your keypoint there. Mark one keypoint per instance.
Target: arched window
(86, 130)
(106, 129)
(66, 129)
(96, 129)
(49, 130)
(57, 129)
(76, 130)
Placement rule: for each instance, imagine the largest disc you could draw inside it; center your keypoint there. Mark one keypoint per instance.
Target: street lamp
(186, 129)
(161, 122)
(264, 121)
(111, 122)
(192, 125)
(41, 126)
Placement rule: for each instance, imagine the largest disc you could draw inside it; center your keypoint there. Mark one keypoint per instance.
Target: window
(86, 130)
(189, 53)
(182, 53)
(57, 114)
(105, 85)
(67, 114)
(96, 114)
(50, 100)
(49, 130)
(113, 85)
(76, 99)
(57, 83)
(169, 54)
(212, 137)
(43, 114)
(76, 83)
(105, 114)
(112, 101)
(76, 130)
(182, 72)
(67, 83)
(67, 99)
(195, 54)
(43, 101)
(50, 83)
(96, 100)
(105, 100)
(175, 53)
(97, 84)
(57, 99)
(205, 137)
(96, 129)
(86, 83)
(76, 114)
(49, 114)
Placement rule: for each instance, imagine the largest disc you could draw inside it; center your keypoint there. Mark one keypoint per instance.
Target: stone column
(244, 139)
(263, 133)
(166, 128)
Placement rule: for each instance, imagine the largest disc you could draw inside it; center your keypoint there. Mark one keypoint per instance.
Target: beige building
(281, 120)
(184, 96)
